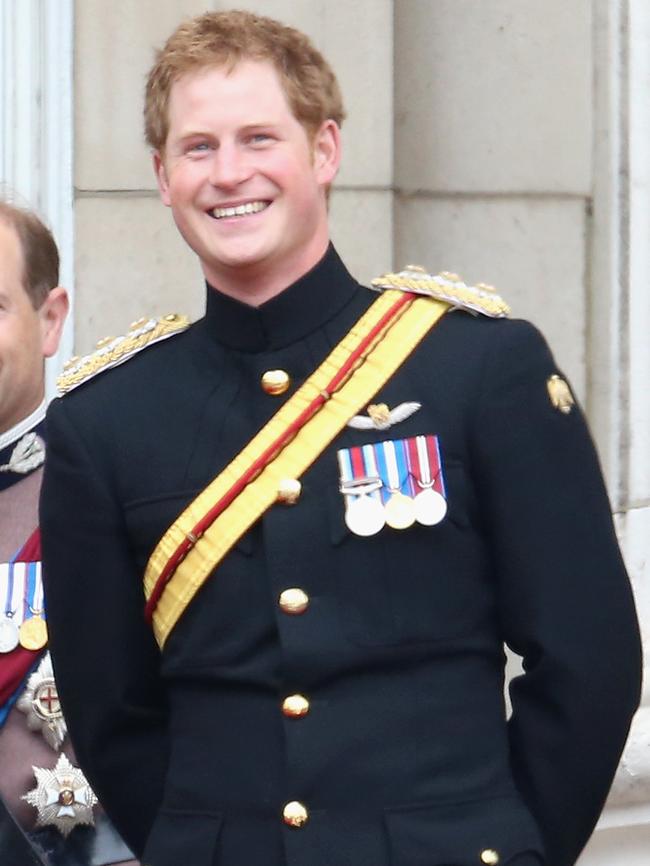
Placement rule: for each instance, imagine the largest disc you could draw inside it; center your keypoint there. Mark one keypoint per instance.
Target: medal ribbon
(425, 464)
(16, 665)
(288, 444)
(372, 470)
(11, 602)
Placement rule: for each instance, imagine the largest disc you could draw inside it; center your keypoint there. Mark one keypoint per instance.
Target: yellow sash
(385, 355)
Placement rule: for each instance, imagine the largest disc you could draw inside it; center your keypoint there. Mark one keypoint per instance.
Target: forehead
(11, 257)
(251, 86)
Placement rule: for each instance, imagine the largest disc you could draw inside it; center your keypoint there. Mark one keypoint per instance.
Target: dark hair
(40, 253)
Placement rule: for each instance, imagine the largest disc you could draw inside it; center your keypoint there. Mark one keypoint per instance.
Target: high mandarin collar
(300, 309)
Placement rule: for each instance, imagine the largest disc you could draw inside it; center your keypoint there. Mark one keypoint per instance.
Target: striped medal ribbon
(360, 485)
(425, 468)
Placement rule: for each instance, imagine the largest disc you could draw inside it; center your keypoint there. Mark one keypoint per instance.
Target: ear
(52, 314)
(161, 177)
(327, 152)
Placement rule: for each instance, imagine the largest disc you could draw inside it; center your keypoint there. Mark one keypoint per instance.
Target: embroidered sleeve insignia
(560, 394)
(447, 287)
(112, 351)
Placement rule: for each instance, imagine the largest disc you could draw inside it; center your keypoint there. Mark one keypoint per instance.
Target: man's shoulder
(146, 344)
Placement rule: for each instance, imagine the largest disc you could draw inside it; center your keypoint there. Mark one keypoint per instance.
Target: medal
(399, 510)
(425, 467)
(360, 485)
(40, 703)
(430, 507)
(32, 633)
(13, 591)
(62, 797)
(8, 634)
(365, 516)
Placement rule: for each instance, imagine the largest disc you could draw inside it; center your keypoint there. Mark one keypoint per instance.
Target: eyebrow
(196, 133)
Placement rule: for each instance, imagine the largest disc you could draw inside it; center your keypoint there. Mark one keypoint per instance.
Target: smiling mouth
(250, 207)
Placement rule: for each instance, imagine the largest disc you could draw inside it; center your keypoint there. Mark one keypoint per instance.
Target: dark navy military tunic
(405, 757)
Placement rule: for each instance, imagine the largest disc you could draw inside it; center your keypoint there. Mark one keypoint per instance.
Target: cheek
(183, 183)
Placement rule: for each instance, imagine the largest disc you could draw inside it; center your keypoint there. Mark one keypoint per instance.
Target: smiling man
(305, 526)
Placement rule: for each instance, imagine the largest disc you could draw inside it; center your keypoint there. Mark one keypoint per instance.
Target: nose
(229, 167)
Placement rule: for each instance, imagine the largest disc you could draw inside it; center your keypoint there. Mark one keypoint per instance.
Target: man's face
(26, 336)
(245, 183)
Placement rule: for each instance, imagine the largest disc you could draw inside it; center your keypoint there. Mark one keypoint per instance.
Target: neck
(14, 433)
(258, 283)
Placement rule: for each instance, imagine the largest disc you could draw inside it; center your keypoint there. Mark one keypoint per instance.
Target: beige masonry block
(493, 96)
(130, 262)
(114, 48)
(532, 250)
(362, 231)
(357, 40)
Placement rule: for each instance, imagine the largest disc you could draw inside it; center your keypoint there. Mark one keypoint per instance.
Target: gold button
(490, 857)
(275, 382)
(295, 706)
(295, 814)
(294, 601)
(289, 491)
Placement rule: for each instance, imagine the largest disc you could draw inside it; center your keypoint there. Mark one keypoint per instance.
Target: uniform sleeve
(565, 602)
(105, 658)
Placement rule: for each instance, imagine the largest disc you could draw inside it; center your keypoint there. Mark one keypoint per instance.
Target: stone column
(620, 353)
(36, 98)
(493, 153)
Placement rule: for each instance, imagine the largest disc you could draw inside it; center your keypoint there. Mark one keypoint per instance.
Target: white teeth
(240, 210)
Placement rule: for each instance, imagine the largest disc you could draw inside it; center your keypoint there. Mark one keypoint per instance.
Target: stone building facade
(506, 140)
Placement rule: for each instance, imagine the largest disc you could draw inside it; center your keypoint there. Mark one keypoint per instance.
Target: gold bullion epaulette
(112, 351)
(446, 287)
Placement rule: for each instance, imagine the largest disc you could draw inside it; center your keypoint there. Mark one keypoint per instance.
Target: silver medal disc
(8, 635)
(365, 516)
(430, 507)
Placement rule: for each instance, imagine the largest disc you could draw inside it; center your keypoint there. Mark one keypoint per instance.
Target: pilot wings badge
(380, 417)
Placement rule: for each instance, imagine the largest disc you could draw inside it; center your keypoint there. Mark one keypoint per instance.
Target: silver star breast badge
(62, 797)
(40, 703)
(380, 417)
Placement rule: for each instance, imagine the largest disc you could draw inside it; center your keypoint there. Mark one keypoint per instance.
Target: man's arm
(565, 600)
(105, 658)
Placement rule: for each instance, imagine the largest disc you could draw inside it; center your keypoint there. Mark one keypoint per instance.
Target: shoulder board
(112, 351)
(446, 287)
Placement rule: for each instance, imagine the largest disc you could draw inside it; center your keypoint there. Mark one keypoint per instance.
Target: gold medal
(33, 633)
(399, 511)
(430, 507)
(365, 516)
